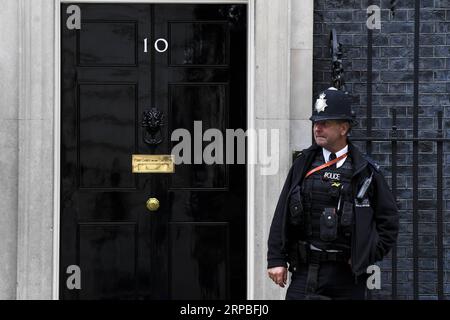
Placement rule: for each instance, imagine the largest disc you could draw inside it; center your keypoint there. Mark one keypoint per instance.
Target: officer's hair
(349, 125)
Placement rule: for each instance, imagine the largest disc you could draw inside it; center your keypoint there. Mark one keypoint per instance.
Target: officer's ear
(346, 126)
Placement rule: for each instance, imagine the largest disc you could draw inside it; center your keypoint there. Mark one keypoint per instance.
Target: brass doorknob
(152, 204)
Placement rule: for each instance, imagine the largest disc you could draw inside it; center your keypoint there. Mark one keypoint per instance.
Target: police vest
(322, 190)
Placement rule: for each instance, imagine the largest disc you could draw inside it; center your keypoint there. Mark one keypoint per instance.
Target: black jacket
(375, 228)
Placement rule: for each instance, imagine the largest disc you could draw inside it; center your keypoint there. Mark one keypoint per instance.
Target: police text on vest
(332, 176)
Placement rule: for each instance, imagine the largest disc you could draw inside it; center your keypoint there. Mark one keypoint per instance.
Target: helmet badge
(321, 103)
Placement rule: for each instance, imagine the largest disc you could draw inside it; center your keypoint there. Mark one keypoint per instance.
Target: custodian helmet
(333, 104)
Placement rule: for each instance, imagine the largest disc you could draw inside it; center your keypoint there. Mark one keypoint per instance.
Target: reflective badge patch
(336, 184)
(332, 176)
(363, 204)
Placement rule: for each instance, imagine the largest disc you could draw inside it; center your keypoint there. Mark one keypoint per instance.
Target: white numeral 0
(166, 45)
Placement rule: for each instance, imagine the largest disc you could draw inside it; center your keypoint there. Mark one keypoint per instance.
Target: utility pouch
(298, 254)
(295, 207)
(347, 214)
(328, 225)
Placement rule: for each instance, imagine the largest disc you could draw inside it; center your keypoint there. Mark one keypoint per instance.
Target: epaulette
(375, 165)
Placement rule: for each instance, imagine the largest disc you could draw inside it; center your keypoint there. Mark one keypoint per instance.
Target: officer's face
(331, 134)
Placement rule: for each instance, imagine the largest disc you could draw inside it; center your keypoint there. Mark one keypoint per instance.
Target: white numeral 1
(145, 45)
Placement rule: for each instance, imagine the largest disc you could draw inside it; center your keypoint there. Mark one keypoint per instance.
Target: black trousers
(334, 281)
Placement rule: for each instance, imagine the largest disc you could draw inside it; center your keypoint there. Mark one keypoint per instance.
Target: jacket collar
(359, 161)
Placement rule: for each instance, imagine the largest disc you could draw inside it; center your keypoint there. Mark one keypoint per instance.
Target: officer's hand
(278, 275)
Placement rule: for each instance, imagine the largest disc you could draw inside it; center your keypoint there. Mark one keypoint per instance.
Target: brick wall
(393, 88)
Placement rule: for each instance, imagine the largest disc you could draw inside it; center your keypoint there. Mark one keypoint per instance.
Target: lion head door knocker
(152, 121)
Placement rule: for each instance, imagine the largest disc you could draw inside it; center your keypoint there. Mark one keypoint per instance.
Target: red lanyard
(327, 164)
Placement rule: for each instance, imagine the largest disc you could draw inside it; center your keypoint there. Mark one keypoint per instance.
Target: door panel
(196, 43)
(195, 265)
(108, 249)
(199, 78)
(192, 246)
(99, 40)
(107, 115)
(207, 103)
(104, 82)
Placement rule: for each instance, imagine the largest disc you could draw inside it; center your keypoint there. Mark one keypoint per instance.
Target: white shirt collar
(326, 155)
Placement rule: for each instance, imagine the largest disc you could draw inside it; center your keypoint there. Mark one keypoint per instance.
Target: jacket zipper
(352, 249)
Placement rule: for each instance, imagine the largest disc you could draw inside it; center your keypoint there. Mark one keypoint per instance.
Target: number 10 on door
(160, 45)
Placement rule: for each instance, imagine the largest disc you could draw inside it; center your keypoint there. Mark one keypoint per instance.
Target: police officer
(335, 215)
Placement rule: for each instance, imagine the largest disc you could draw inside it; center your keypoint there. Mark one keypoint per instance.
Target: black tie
(332, 157)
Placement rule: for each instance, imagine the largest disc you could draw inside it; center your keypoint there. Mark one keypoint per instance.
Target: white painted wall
(302, 13)
(282, 100)
(35, 179)
(9, 108)
(283, 96)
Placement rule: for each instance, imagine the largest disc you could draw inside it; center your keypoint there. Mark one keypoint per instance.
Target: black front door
(193, 245)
